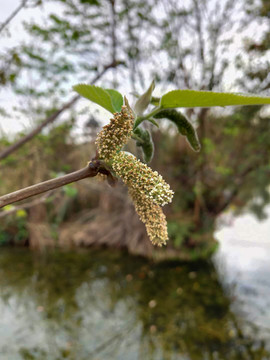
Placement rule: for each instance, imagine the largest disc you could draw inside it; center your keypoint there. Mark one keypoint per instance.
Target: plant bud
(144, 100)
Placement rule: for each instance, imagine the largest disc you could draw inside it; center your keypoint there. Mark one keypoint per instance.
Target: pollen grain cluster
(152, 216)
(114, 135)
(141, 177)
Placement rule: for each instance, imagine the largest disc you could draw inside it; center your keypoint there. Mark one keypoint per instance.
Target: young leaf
(193, 98)
(144, 100)
(184, 126)
(155, 101)
(95, 94)
(117, 99)
(153, 122)
(146, 143)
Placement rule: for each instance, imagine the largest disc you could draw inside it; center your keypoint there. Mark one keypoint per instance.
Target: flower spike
(114, 135)
(138, 175)
(152, 216)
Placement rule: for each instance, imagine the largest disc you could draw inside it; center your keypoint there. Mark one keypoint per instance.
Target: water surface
(243, 263)
(106, 305)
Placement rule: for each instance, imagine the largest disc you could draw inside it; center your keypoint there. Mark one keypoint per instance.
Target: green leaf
(145, 142)
(193, 98)
(95, 94)
(153, 122)
(184, 126)
(117, 99)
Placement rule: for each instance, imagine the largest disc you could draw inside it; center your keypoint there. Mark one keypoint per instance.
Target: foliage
(148, 191)
(173, 99)
(109, 99)
(73, 42)
(192, 98)
(189, 47)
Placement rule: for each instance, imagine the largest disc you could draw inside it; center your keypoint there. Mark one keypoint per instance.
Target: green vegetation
(229, 169)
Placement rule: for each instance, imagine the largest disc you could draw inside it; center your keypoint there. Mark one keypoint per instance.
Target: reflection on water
(105, 305)
(243, 260)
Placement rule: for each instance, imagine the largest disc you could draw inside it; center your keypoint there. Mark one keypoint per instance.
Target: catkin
(147, 188)
(115, 135)
(138, 175)
(152, 216)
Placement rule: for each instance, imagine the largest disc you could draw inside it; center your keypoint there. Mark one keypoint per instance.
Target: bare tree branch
(238, 181)
(10, 149)
(200, 35)
(113, 34)
(28, 205)
(89, 171)
(12, 15)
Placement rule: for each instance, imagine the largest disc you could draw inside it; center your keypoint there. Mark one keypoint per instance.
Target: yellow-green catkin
(141, 177)
(115, 135)
(152, 216)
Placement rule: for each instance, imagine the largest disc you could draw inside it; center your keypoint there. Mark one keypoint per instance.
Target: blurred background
(79, 279)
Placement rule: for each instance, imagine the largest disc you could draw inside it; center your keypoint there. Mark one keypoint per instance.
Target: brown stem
(200, 34)
(238, 181)
(90, 171)
(10, 149)
(113, 35)
(28, 205)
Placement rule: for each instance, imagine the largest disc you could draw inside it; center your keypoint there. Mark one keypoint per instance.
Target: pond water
(243, 264)
(106, 305)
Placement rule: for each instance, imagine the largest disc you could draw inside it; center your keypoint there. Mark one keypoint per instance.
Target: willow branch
(90, 171)
(27, 205)
(200, 35)
(238, 181)
(113, 35)
(10, 149)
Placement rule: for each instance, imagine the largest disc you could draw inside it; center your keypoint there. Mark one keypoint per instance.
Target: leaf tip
(78, 86)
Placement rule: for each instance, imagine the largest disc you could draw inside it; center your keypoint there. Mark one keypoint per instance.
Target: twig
(238, 181)
(12, 15)
(200, 36)
(28, 205)
(90, 171)
(6, 152)
(113, 35)
(10, 149)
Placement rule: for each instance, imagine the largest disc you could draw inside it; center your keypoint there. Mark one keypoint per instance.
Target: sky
(12, 125)
(8, 99)
(7, 7)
